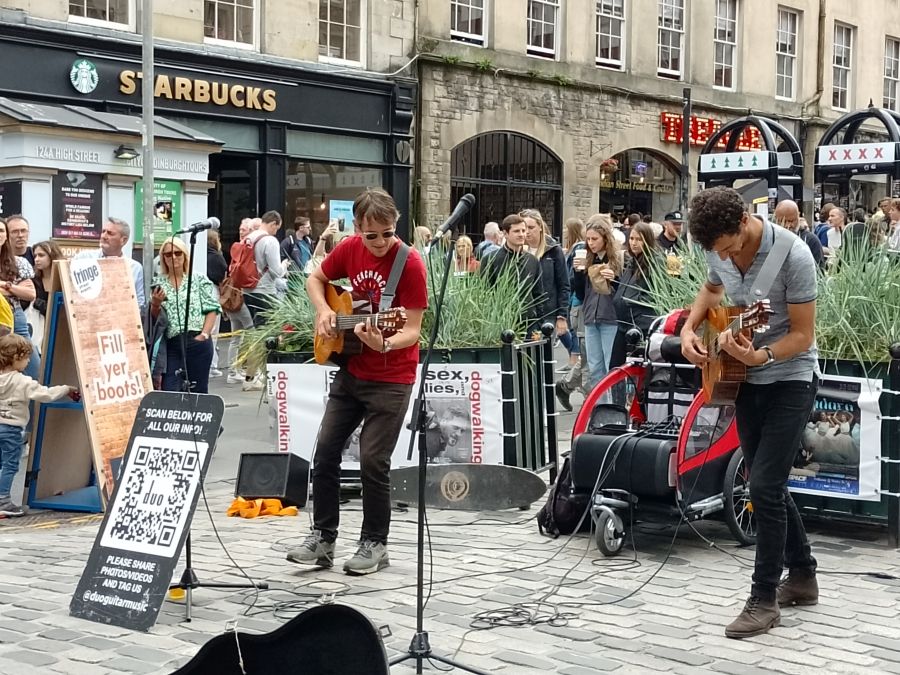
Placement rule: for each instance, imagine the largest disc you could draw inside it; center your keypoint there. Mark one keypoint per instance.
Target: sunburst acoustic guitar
(722, 373)
(346, 343)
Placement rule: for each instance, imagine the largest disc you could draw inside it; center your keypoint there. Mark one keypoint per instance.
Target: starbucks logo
(83, 76)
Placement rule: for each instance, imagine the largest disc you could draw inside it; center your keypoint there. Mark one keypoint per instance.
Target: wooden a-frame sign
(93, 340)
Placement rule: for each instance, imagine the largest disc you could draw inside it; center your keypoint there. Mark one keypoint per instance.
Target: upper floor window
(467, 21)
(611, 33)
(842, 66)
(229, 21)
(101, 11)
(341, 30)
(670, 38)
(786, 53)
(543, 26)
(891, 74)
(725, 41)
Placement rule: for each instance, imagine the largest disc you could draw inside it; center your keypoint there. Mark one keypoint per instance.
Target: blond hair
(602, 224)
(12, 348)
(174, 242)
(536, 216)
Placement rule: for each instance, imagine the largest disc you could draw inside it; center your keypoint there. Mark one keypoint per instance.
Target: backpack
(565, 509)
(231, 298)
(243, 271)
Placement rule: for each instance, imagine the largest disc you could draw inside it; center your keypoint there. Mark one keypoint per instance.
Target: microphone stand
(189, 580)
(420, 647)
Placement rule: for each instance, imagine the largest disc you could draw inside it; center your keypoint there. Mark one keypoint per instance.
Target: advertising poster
(462, 422)
(140, 540)
(166, 210)
(10, 198)
(77, 205)
(110, 355)
(841, 443)
(340, 213)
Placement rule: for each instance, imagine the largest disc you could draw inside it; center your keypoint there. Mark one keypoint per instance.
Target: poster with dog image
(841, 442)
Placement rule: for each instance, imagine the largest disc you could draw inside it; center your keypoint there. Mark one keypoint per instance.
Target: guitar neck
(348, 321)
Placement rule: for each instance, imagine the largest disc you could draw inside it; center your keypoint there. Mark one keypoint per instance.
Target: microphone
(464, 206)
(211, 223)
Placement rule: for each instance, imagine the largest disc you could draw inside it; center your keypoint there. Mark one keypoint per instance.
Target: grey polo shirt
(795, 283)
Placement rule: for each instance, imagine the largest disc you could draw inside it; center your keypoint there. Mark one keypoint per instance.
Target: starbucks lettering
(202, 91)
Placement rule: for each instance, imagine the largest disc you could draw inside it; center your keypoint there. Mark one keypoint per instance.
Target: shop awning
(85, 119)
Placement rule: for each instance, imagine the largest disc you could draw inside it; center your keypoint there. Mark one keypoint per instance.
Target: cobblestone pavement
(661, 608)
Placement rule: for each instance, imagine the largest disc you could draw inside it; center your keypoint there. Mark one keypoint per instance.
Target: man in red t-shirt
(374, 386)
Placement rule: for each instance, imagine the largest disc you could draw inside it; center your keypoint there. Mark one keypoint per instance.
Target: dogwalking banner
(841, 444)
(462, 423)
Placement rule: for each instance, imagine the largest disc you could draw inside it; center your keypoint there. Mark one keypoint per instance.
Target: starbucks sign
(83, 76)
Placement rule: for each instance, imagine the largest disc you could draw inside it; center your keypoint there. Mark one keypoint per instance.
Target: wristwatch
(204, 334)
(770, 354)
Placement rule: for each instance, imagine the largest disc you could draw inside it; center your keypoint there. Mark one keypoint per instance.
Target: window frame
(478, 40)
(623, 34)
(787, 11)
(681, 32)
(849, 30)
(543, 52)
(363, 44)
(733, 66)
(895, 79)
(253, 46)
(87, 21)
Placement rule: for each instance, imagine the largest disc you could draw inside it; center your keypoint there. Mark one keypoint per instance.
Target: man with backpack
(255, 265)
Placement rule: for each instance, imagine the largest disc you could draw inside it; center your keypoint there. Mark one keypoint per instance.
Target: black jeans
(383, 406)
(258, 303)
(199, 358)
(770, 422)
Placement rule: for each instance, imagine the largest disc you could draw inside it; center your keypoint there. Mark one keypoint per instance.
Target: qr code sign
(155, 494)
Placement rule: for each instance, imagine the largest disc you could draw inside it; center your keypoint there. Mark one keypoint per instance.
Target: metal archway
(780, 162)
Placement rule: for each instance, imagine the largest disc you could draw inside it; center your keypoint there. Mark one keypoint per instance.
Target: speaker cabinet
(273, 475)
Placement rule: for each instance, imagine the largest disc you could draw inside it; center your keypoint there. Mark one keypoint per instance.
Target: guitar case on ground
(323, 640)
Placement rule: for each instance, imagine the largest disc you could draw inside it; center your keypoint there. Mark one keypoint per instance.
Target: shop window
(670, 38)
(610, 33)
(467, 21)
(341, 30)
(786, 53)
(118, 12)
(543, 27)
(231, 21)
(640, 181)
(325, 192)
(506, 172)
(891, 74)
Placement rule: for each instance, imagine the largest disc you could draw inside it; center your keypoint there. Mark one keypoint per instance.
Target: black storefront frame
(341, 104)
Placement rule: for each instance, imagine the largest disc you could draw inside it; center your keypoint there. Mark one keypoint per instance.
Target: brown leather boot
(798, 589)
(757, 618)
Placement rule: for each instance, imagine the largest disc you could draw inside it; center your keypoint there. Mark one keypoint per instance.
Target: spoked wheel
(608, 541)
(738, 507)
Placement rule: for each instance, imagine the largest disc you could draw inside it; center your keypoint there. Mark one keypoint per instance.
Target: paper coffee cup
(581, 254)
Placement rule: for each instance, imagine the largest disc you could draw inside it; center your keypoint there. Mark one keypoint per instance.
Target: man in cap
(670, 239)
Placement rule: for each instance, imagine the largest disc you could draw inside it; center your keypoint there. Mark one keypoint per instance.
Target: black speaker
(643, 465)
(273, 475)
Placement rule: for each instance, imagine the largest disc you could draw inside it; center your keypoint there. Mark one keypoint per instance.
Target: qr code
(155, 495)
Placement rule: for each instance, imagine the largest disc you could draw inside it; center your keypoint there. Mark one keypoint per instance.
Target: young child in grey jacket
(16, 391)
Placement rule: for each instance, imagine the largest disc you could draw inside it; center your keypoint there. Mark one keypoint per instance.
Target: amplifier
(642, 465)
(273, 475)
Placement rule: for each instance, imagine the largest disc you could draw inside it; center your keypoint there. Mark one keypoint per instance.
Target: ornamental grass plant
(475, 314)
(857, 309)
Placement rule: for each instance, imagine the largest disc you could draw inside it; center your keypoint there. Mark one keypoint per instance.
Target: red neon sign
(702, 129)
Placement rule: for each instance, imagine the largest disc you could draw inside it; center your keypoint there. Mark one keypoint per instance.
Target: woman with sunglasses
(187, 347)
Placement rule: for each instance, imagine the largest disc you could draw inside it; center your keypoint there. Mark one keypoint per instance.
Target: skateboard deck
(469, 487)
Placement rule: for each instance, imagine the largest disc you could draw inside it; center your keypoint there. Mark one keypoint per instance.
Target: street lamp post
(147, 109)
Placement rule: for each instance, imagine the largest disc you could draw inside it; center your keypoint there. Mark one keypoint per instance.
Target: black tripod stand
(420, 647)
(189, 580)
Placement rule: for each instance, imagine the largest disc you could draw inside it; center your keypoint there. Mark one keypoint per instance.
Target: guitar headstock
(756, 316)
(392, 319)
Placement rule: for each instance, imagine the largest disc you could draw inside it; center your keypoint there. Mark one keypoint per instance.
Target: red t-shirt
(368, 275)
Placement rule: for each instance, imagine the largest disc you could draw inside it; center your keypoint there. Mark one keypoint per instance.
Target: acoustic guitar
(722, 373)
(346, 343)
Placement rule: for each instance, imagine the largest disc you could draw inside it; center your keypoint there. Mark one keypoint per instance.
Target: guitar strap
(390, 289)
(772, 264)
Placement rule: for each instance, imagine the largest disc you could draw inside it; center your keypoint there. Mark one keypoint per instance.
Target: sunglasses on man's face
(372, 236)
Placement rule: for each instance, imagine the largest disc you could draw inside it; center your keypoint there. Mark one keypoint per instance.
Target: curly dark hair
(715, 212)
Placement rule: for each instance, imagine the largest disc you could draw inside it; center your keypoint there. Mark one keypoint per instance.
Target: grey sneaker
(370, 557)
(10, 510)
(313, 551)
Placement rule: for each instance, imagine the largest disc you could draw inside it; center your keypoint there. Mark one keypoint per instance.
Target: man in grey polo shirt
(773, 405)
